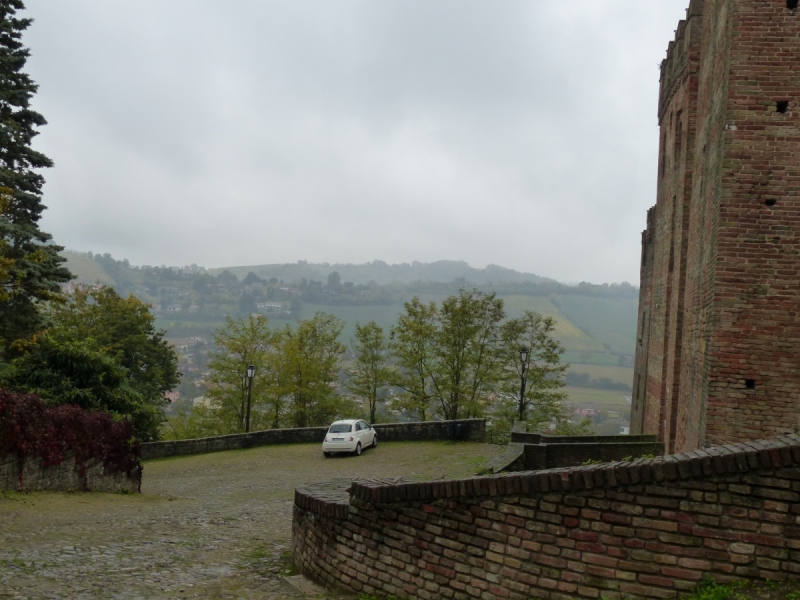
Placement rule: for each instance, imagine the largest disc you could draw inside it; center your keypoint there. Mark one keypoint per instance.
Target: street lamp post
(523, 358)
(251, 372)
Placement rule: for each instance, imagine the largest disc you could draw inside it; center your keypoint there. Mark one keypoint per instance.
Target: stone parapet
(473, 430)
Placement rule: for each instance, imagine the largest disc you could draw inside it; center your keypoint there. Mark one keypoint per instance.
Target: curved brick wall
(648, 528)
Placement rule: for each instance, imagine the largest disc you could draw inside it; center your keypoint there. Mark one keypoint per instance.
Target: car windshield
(340, 428)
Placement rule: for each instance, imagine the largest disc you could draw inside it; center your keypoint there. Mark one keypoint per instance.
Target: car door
(368, 434)
(359, 433)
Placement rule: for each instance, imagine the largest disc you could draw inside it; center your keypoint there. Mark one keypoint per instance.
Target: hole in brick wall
(792, 4)
(750, 384)
(770, 202)
(782, 105)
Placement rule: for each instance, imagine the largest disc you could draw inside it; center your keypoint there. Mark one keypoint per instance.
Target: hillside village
(595, 323)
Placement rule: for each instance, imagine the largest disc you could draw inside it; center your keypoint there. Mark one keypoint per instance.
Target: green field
(602, 399)
(86, 270)
(611, 320)
(614, 373)
(580, 346)
(385, 316)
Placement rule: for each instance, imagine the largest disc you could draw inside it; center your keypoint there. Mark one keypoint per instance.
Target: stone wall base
(65, 477)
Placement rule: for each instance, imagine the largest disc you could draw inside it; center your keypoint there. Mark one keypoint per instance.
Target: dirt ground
(210, 526)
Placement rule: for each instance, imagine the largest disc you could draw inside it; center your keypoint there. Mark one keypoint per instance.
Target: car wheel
(375, 442)
(326, 454)
(358, 449)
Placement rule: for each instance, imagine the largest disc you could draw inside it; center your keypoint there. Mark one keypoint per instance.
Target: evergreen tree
(30, 268)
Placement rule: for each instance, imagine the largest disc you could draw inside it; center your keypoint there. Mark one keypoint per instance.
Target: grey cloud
(517, 133)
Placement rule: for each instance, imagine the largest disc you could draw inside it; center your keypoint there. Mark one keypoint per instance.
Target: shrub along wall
(651, 528)
(473, 430)
(64, 448)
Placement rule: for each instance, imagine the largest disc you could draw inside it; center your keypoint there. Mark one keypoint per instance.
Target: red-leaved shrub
(29, 428)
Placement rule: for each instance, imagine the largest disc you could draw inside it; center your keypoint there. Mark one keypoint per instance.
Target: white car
(349, 435)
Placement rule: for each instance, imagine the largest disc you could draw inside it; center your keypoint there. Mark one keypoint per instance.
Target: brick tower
(718, 342)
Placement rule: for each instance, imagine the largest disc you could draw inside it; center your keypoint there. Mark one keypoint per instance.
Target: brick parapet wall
(650, 528)
(551, 456)
(473, 430)
(66, 477)
(543, 451)
(543, 438)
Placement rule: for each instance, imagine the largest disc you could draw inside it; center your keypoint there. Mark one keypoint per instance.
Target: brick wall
(550, 456)
(719, 325)
(544, 438)
(648, 529)
(542, 451)
(756, 314)
(65, 477)
(473, 430)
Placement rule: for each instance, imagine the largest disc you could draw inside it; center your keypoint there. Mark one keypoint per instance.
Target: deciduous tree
(450, 355)
(411, 343)
(308, 363)
(370, 373)
(544, 405)
(467, 349)
(100, 351)
(242, 343)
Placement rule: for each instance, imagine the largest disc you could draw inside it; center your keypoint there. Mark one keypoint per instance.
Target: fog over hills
(595, 323)
(384, 273)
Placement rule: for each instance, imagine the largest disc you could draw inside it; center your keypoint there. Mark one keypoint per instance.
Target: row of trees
(457, 360)
(297, 375)
(463, 360)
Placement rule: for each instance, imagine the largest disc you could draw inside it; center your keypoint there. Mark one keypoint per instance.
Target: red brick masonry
(650, 528)
(718, 340)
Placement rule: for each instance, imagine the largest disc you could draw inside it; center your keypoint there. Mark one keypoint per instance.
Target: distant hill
(596, 323)
(384, 273)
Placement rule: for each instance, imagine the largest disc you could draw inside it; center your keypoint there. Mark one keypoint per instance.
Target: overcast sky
(522, 134)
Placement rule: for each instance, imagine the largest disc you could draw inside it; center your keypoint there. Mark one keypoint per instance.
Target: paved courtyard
(210, 526)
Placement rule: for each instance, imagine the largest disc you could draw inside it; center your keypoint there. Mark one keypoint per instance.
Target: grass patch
(258, 553)
(287, 564)
(708, 589)
(614, 373)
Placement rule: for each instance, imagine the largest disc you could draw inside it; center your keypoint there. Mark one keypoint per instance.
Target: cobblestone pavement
(210, 526)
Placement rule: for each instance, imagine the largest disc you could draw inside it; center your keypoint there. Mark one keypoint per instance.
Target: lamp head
(523, 355)
(251, 371)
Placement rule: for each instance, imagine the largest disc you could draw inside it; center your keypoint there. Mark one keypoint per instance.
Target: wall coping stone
(546, 439)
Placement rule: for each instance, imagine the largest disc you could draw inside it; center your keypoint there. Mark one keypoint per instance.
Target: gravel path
(210, 526)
